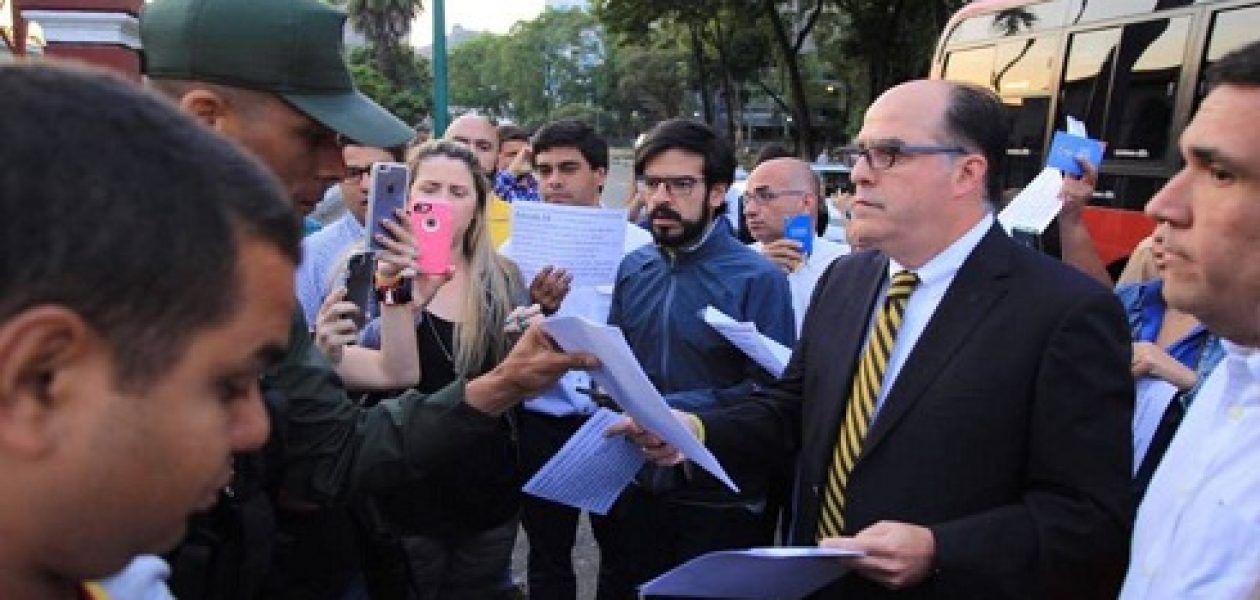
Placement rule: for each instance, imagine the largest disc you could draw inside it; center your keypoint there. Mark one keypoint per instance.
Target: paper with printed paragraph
(585, 241)
(620, 375)
(590, 470)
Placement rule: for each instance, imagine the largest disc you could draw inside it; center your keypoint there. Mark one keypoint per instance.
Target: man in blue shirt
(325, 252)
(683, 169)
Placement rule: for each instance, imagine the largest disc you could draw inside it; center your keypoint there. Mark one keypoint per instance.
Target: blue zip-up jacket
(657, 303)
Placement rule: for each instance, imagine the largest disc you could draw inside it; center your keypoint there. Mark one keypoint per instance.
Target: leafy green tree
(411, 100)
(475, 70)
(386, 23)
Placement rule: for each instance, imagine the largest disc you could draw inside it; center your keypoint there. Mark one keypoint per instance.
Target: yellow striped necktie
(861, 406)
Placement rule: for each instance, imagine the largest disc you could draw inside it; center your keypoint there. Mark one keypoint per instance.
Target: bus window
(1126, 191)
(1024, 67)
(1026, 116)
(1087, 78)
(1231, 29)
(1143, 95)
(1012, 21)
(971, 66)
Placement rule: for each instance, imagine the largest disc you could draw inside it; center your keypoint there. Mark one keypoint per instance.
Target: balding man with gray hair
(778, 190)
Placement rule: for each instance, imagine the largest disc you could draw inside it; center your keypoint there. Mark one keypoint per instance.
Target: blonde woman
(457, 528)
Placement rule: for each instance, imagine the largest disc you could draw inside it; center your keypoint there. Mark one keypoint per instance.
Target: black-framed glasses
(763, 196)
(674, 186)
(354, 173)
(885, 154)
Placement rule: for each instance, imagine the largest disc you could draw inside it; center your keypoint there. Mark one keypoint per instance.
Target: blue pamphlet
(1065, 147)
(800, 228)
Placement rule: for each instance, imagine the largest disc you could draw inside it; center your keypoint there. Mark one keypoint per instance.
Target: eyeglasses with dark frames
(884, 155)
(674, 186)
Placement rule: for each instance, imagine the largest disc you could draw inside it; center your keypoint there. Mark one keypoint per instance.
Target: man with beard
(683, 170)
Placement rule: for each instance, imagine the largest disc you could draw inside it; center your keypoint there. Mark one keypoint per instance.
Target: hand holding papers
(771, 355)
(621, 376)
(1036, 206)
(753, 573)
(587, 242)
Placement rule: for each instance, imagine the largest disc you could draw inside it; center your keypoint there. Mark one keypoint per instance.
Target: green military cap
(291, 48)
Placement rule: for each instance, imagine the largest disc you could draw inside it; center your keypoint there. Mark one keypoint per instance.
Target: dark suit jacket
(1006, 432)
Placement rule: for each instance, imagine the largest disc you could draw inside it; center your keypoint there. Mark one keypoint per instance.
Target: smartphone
(387, 193)
(434, 232)
(800, 228)
(358, 282)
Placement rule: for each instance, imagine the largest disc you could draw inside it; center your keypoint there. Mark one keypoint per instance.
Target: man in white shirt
(778, 190)
(1198, 528)
(570, 164)
(325, 252)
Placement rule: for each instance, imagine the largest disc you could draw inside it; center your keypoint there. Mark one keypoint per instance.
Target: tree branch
(809, 26)
(773, 96)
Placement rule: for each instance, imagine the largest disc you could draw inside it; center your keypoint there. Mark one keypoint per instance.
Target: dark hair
(397, 153)
(771, 152)
(569, 133)
(118, 207)
(1239, 67)
(511, 132)
(976, 119)
(690, 136)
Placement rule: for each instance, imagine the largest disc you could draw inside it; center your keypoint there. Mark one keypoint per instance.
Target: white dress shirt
(805, 277)
(1198, 529)
(935, 277)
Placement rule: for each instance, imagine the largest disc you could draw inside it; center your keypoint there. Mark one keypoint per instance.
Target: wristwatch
(396, 294)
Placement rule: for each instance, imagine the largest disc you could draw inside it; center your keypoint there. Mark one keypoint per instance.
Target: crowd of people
(193, 406)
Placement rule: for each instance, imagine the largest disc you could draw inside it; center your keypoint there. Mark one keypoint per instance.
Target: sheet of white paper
(622, 378)
(771, 355)
(590, 470)
(587, 242)
(1153, 396)
(755, 573)
(1076, 127)
(1036, 205)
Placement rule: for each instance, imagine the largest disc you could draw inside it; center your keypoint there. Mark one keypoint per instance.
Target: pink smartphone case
(431, 225)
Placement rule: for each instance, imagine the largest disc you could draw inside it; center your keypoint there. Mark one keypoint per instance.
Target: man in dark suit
(960, 404)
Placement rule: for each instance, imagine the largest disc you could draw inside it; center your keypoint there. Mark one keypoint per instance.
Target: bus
(1131, 70)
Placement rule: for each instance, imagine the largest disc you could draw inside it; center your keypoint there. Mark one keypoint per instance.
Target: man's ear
(717, 195)
(969, 175)
(40, 349)
(207, 106)
(601, 177)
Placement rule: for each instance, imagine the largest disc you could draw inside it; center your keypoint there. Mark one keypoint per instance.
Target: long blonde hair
(494, 281)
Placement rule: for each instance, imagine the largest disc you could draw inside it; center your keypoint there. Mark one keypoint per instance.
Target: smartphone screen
(387, 193)
(434, 232)
(800, 228)
(358, 284)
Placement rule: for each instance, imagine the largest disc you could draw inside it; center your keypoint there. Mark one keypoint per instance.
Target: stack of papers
(756, 573)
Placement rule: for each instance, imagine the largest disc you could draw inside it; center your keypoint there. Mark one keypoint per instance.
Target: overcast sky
(489, 15)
